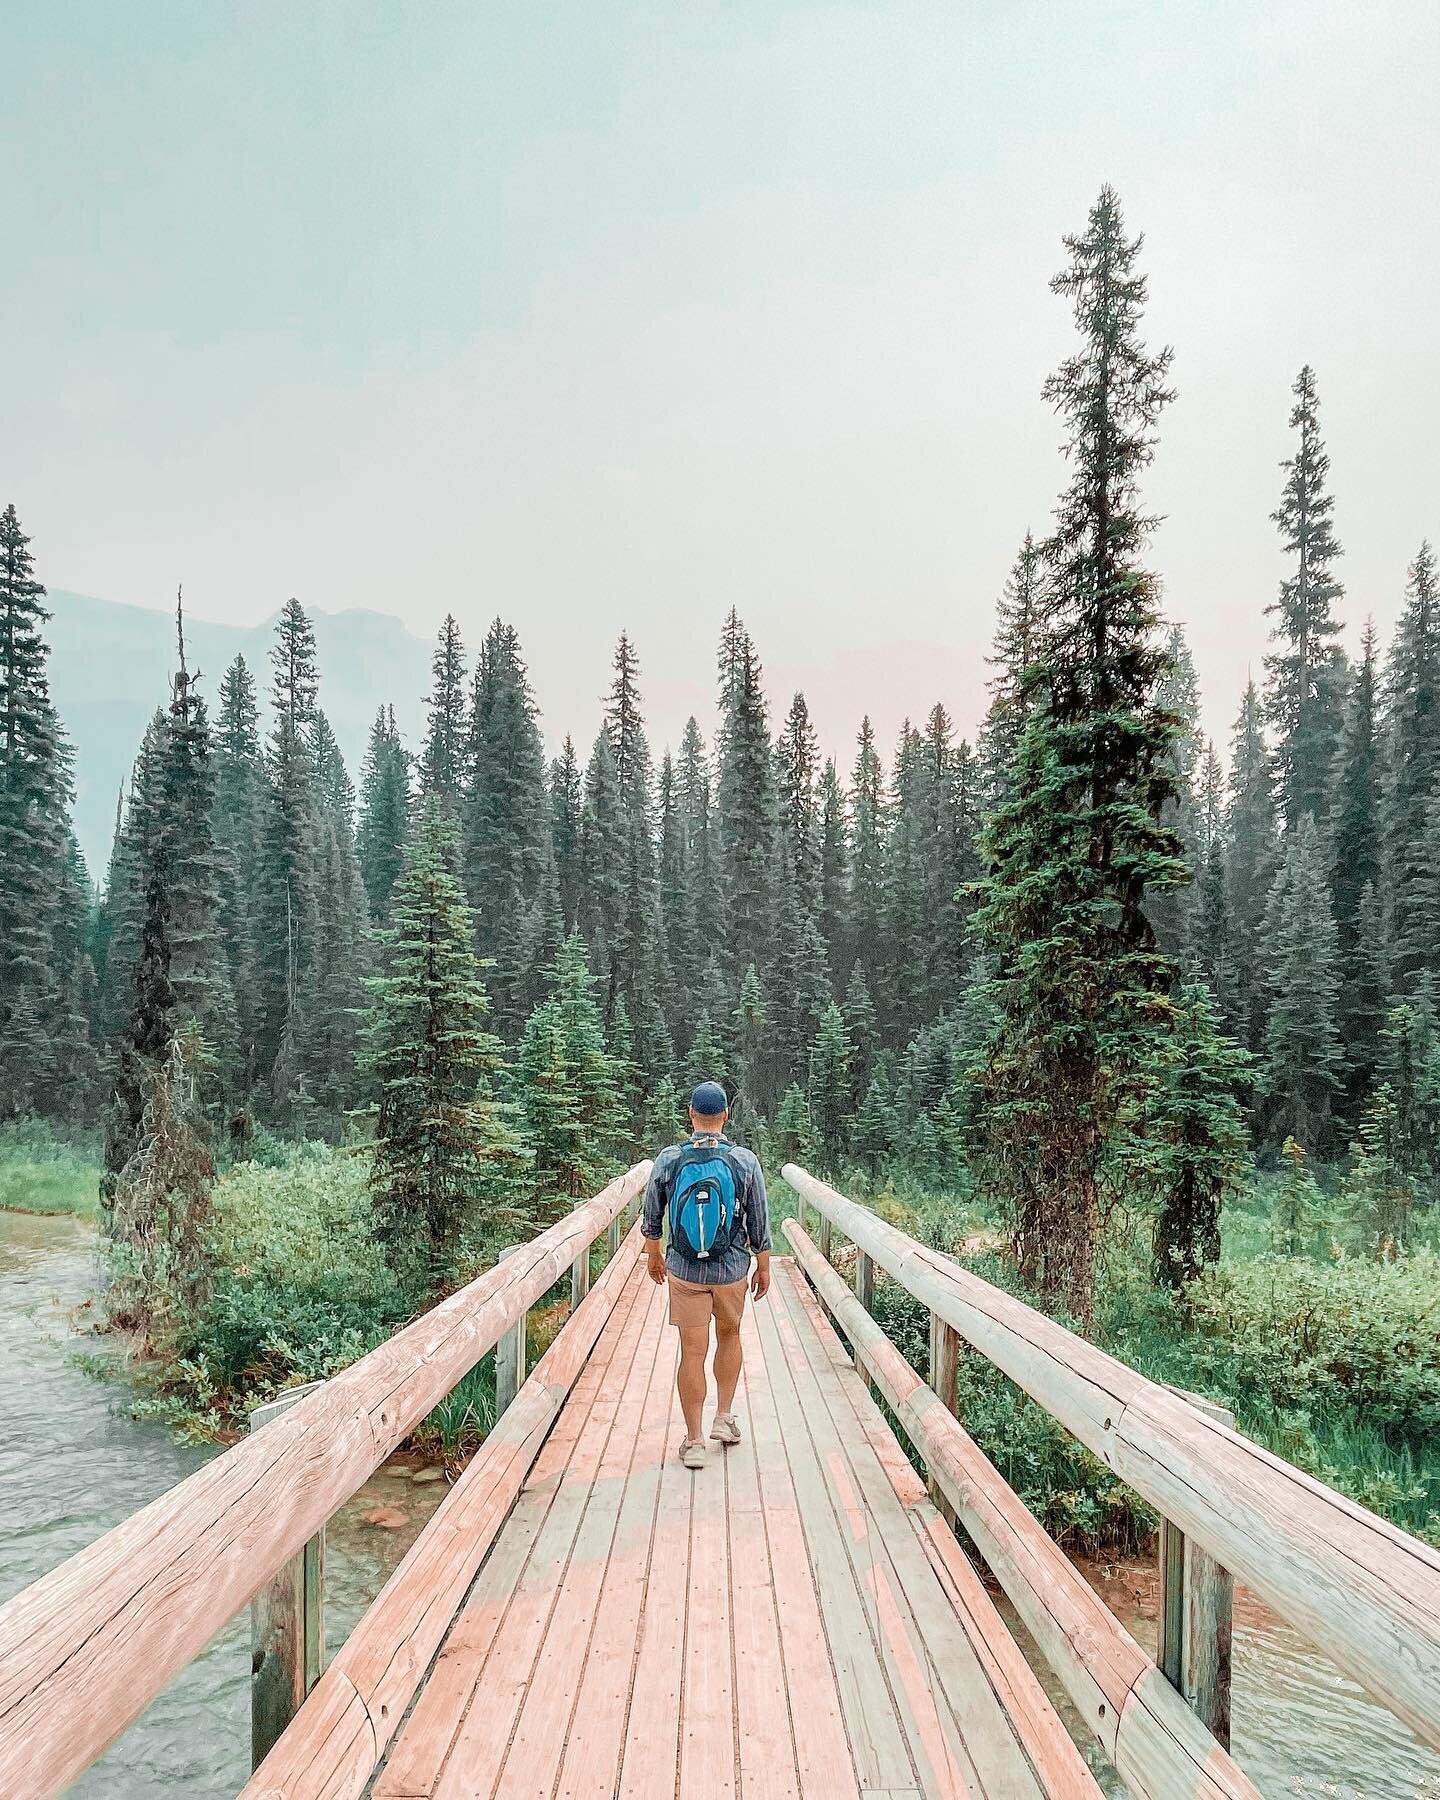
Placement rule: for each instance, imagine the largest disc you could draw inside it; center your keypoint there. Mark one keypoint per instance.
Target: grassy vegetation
(43, 1173)
(300, 1289)
(1330, 1359)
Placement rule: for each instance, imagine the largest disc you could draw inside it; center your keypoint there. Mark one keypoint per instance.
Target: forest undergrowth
(1327, 1357)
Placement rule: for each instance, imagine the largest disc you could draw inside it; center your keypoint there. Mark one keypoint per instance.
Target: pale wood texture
(579, 1278)
(1149, 1734)
(1365, 1590)
(865, 1280)
(287, 1623)
(772, 1626)
(85, 1649)
(1197, 1613)
(332, 1749)
(510, 1357)
(944, 1373)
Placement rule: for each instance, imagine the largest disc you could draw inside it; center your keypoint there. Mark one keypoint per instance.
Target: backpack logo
(704, 1203)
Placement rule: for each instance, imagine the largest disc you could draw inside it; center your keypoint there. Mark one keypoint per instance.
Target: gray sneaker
(726, 1429)
(692, 1453)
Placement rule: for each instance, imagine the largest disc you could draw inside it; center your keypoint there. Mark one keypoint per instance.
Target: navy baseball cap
(709, 1100)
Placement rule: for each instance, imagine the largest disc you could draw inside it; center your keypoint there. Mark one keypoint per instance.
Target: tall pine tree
(506, 822)
(1357, 872)
(1413, 721)
(1250, 861)
(747, 811)
(1303, 1056)
(1305, 685)
(384, 813)
(867, 852)
(446, 1159)
(44, 1048)
(238, 814)
(443, 759)
(288, 898)
(1081, 987)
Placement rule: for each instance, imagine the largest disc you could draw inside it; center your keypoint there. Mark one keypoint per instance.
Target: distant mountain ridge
(109, 671)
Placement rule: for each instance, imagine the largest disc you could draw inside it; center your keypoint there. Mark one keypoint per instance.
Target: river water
(73, 1463)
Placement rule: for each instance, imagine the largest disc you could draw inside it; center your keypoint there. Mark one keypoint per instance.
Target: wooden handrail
(335, 1742)
(84, 1650)
(1361, 1588)
(1143, 1726)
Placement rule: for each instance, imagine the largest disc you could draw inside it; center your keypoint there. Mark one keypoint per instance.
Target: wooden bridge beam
(1348, 1579)
(287, 1623)
(1153, 1739)
(86, 1648)
(510, 1357)
(1197, 1602)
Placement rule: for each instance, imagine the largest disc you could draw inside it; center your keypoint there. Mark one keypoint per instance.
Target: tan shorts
(697, 1302)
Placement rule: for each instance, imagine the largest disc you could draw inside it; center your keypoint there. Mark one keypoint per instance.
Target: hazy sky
(612, 315)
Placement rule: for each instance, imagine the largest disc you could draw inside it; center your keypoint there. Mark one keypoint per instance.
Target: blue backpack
(706, 1214)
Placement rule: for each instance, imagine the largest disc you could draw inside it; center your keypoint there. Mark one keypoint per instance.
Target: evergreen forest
(1145, 1024)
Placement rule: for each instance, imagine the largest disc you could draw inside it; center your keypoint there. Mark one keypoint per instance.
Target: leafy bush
(1333, 1364)
(1078, 1500)
(300, 1285)
(1280, 1333)
(43, 1173)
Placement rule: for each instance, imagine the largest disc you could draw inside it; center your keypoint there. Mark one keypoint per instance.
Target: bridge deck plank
(770, 1628)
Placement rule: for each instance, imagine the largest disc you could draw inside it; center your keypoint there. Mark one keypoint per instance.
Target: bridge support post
(865, 1280)
(822, 1236)
(510, 1357)
(865, 1294)
(612, 1237)
(944, 1372)
(1196, 1609)
(579, 1274)
(287, 1623)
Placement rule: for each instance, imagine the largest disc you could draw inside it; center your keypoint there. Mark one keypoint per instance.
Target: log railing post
(510, 1356)
(1196, 1615)
(865, 1280)
(944, 1373)
(822, 1236)
(865, 1294)
(287, 1623)
(613, 1237)
(579, 1275)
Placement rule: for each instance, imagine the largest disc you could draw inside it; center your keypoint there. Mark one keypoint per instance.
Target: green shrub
(1280, 1333)
(43, 1173)
(1333, 1364)
(1078, 1500)
(300, 1285)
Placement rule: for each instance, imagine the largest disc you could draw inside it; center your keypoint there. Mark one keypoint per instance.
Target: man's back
(716, 1190)
(753, 1233)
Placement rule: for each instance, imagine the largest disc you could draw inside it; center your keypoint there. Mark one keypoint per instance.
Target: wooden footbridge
(582, 1616)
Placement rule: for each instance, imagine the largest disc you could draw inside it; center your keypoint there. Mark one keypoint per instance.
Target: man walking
(711, 1193)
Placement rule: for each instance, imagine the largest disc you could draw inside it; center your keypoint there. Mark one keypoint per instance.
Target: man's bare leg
(728, 1358)
(690, 1378)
